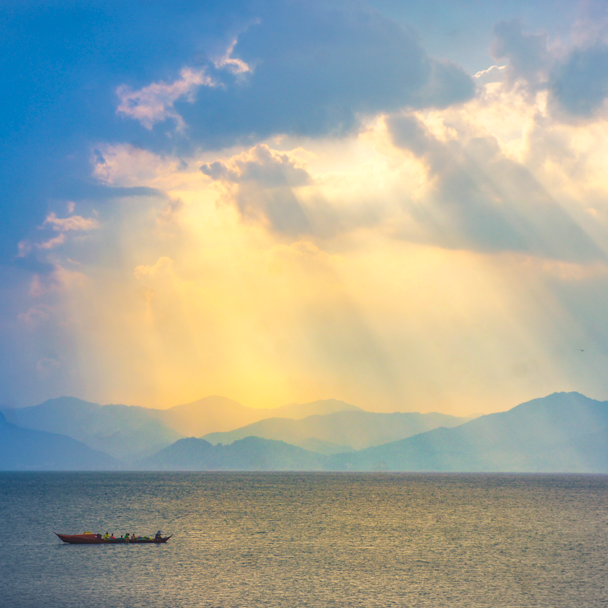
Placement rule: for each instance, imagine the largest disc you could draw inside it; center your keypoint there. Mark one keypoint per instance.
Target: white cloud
(232, 64)
(494, 73)
(154, 103)
(51, 243)
(74, 222)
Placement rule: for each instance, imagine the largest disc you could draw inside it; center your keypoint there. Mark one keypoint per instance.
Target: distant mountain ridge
(122, 431)
(131, 432)
(250, 454)
(563, 432)
(343, 431)
(28, 450)
(219, 414)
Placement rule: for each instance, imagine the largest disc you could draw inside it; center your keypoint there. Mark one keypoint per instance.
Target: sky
(402, 205)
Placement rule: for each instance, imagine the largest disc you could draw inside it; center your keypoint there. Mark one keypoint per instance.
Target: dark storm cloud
(481, 200)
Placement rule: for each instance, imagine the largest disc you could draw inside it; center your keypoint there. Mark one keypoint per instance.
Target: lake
(310, 540)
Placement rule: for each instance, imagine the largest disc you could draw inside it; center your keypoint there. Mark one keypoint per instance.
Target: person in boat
(132, 536)
(158, 535)
(112, 537)
(106, 536)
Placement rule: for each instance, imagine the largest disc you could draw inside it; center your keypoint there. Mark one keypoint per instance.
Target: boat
(88, 538)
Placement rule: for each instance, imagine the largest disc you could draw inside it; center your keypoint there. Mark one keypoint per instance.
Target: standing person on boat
(132, 536)
(106, 536)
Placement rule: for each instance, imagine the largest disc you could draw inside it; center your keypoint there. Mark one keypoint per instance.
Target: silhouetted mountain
(340, 432)
(119, 430)
(219, 414)
(27, 450)
(564, 432)
(251, 454)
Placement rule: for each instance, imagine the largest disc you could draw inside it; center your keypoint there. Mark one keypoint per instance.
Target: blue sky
(134, 135)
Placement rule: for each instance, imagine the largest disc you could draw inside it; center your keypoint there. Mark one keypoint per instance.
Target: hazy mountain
(564, 432)
(122, 431)
(322, 407)
(207, 415)
(251, 454)
(217, 414)
(340, 432)
(28, 450)
(130, 432)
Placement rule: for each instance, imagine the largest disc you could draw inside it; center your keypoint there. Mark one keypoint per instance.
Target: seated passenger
(132, 536)
(106, 536)
(158, 535)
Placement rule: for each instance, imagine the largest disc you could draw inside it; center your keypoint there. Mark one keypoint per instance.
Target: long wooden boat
(97, 539)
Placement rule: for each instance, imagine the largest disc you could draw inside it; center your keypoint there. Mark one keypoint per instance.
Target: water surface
(310, 540)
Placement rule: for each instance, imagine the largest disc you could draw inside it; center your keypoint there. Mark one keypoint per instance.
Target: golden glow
(192, 298)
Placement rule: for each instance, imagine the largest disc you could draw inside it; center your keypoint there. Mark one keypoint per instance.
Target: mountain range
(219, 414)
(27, 450)
(133, 432)
(249, 454)
(341, 431)
(563, 432)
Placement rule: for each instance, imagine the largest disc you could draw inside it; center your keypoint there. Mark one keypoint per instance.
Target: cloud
(265, 182)
(170, 212)
(59, 281)
(35, 315)
(493, 74)
(579, 82)
(52, 243)
(154, 103)
(163, 266)
(232, 64)
(527, 54)
(262, 165)
(64, 225)
(317, 68)
(74, 222)
(576, 77)
(480, 199)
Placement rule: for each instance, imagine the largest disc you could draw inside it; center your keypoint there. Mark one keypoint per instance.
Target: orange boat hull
(97, 539)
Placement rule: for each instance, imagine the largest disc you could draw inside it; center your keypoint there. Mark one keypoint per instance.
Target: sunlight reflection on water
(315, 540)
